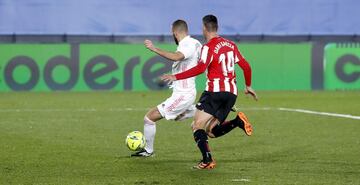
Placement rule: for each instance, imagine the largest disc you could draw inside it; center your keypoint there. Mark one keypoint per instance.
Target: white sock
(149, 133)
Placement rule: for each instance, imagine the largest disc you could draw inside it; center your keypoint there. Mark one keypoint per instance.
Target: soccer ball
(135, 141)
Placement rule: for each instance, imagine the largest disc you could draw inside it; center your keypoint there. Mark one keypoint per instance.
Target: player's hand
(149, 45)
(168, 78)
(249, 90)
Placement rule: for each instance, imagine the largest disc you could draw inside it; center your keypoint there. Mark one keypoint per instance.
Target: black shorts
(218, 104)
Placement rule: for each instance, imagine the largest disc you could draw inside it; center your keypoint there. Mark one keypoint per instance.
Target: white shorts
(177, 104)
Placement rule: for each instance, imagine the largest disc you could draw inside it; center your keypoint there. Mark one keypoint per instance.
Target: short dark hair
(210, 22)
(180, 25)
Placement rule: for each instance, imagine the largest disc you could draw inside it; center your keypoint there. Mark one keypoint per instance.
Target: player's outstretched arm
(174, 56)
(168, 78)
(200, 68)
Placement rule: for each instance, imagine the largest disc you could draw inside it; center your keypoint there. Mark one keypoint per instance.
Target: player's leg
(215, 129)
(186, 109)
(210, 125)
(201, 119)
(206, 109)
(169, 109)
(150, 119)
(218, 128)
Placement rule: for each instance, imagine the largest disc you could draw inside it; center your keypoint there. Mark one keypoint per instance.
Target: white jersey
(190, 48)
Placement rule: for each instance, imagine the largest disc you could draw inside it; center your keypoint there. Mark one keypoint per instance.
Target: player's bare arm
(200, 68)
(168, 78)
(174, 56)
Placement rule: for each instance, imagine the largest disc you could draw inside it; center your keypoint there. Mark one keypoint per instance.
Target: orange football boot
(247, 126)
(202, 165)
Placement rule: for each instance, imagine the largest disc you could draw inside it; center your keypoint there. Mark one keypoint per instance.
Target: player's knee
(196, 125)
(193, 126)
(208, 131)
(148, 121)
(153, 115)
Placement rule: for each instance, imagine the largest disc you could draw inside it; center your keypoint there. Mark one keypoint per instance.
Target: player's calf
(150, 119)
(240, 121)
(201, 139)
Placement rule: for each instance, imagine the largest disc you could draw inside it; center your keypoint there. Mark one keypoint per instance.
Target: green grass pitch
(78, 138)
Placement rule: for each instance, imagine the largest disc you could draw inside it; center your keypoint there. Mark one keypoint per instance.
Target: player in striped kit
(219, 57)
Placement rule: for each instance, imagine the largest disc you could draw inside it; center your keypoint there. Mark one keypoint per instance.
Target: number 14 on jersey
(227, 62)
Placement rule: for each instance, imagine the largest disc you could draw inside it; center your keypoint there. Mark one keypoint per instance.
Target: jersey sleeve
(245, 66)
(205, 55)
(205, 59)
(187, 49)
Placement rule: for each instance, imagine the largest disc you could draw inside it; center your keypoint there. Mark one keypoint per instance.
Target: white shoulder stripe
(204, 53)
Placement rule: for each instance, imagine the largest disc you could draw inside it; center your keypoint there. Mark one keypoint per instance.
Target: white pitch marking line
(320, 113)
(256, 108)
(240, 180)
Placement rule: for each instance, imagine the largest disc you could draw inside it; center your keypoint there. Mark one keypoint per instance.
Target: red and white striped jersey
(219, 57)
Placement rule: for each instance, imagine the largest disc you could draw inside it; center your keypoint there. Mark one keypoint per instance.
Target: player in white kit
(180, 105)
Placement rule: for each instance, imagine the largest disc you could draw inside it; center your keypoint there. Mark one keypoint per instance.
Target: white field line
(320, 113)
(145, 109)
(240, 180)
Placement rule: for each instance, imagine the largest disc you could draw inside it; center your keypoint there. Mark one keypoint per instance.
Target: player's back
(221, 55)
